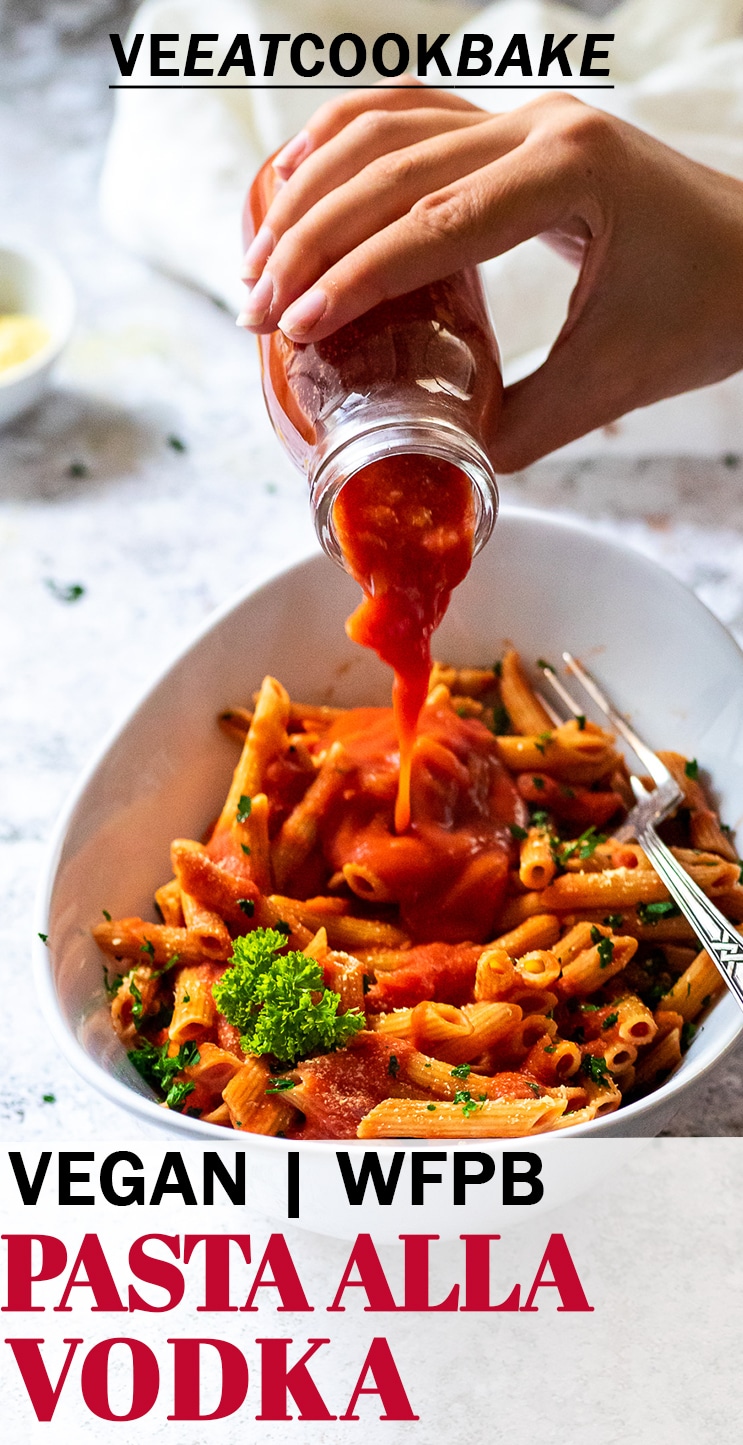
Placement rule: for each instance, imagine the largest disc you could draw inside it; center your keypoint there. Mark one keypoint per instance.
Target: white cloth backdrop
(179, 161)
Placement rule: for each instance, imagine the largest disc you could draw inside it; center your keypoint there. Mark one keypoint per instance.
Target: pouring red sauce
(406, 530)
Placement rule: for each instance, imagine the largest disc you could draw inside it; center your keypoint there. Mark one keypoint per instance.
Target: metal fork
(722, 942)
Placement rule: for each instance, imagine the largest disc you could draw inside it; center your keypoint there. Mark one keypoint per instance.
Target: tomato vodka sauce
(406, 530)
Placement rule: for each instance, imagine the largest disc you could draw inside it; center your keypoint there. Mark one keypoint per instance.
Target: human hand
(388, 190)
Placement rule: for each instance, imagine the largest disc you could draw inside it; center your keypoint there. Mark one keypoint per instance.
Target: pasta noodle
(500, 969)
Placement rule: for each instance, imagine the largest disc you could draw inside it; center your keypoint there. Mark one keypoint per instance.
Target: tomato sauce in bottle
(392, 418)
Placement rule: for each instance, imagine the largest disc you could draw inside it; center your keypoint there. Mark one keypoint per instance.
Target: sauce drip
(406, 529)
(448, 873)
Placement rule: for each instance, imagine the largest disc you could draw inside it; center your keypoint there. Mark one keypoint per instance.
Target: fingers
(404, 93)
(483, 215)
(383, 193)
(594, 374)
(370, 135)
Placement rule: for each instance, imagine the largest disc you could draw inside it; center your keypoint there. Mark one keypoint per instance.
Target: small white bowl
(32, 282)
(543, 584)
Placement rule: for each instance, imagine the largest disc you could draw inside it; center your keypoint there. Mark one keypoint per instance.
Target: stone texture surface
(151, 478)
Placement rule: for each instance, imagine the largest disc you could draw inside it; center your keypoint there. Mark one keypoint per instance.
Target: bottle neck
(342, 457)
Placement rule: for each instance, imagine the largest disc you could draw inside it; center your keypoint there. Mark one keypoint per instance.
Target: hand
(388, 190)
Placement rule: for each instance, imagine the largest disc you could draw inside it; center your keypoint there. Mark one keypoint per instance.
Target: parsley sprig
(279, 1002)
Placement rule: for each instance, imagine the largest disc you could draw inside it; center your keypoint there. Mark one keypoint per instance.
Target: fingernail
(293, 152)
(258, 253)
(258, 305)
(303, 314)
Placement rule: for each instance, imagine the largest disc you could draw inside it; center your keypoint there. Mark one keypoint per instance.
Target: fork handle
(722, 942)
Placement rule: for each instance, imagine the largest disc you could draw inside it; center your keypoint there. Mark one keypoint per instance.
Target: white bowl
(32, 282)
(543, 584)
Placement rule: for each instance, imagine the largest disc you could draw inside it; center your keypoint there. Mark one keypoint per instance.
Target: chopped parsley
(543, 741)
(179, 1091)
(461, 1071)
(590, 1008)
(247, 905)
(137, 1004)
(393, 1067)
(518, 833)
(469, 1105)
(585, 846)
(172, 961)
(159, 1068)
(501, 720)
(112, 985)
(77, 469)
(706, 1000)
(431, 1108)
(604, 946)
(245, 849)
(44, 937)
(538, 782)
(282, 926)
(550, 1048)
(581, 721)
(176, 443)
(545, 666)
(106, 914)
(614, 920)
(687, 1034)
(610, 1021)
(244, 808)
(280, 1086)
(49, 1098)
(498, 669)
(540, 819)
(65, 591)
(595, 1067)
(535, 1089)
(279, 1001)
(691, 768)
(653, 912)
(148, 947)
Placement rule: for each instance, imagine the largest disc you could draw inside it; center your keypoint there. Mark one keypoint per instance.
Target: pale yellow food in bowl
(21, 337)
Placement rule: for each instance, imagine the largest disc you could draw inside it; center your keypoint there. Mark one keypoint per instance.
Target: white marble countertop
(92, 491)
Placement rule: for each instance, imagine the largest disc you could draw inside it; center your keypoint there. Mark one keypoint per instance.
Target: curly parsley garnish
(279, 1002)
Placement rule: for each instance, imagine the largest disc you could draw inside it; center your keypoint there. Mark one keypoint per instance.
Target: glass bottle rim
(332, 468)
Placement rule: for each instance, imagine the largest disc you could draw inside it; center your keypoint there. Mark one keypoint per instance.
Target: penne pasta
(496, 969)
(194, 1009)
(527, 713)
(494, 1119)
(266, 739)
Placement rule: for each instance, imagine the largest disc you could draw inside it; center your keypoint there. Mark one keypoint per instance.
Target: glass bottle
(416, 375)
